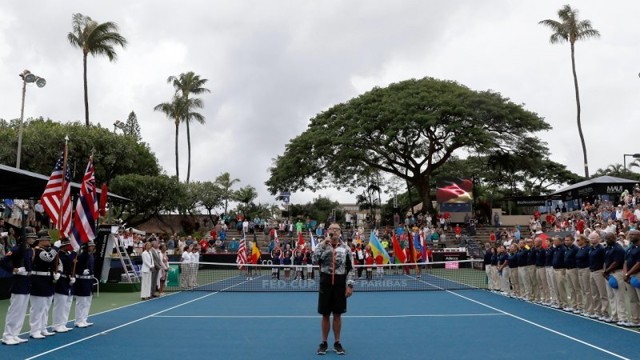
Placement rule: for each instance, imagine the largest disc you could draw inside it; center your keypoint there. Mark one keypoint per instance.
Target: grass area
(104, 302)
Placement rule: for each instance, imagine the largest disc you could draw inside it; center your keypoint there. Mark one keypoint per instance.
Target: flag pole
(64, 179)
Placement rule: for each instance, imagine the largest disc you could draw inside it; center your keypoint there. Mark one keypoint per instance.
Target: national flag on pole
(398, 251)
(423, 244)
(56, 198)
(314, 242)
(300, 240)
(417, 246)
(104, 193)
(86, 216)
(255, 253)
(275, 237)
(241, 259)
(377, 248)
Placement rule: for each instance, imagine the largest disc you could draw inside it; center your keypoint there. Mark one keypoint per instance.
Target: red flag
(300, 240)
(397, 250)
(56, 198)
(103, 199)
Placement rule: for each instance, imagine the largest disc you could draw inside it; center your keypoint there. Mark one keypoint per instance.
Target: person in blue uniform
(83, 288)
(613, 263)
(574, 291)
(630, 269)
(551, 279)
(599, 299)
(541, 273)
(559, 272)
(523, 255)
(531, 270)
(63, 296)
(43, 276)
(513, 271)
(19, 263)
(582, 264)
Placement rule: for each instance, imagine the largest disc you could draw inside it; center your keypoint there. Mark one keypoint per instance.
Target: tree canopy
(409, 129)
(43, 142)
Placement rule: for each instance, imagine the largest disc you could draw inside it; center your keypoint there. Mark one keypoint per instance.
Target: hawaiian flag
(87, 211)
(241, 259)
(56, 198)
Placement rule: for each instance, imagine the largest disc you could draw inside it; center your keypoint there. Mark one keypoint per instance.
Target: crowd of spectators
(590, 265)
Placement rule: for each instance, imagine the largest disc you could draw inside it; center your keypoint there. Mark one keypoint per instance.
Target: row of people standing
(576, 275)
(44, 275)
(155, 265)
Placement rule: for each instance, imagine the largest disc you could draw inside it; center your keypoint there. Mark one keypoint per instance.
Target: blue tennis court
(467, 324)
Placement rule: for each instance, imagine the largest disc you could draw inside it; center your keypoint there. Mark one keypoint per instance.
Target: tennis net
(446, 275)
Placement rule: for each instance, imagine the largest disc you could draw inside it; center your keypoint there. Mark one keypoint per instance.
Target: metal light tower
(27, 77)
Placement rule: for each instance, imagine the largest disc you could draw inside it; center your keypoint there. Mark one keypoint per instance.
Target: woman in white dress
(165, 268)
(147, 265)
(185, 268)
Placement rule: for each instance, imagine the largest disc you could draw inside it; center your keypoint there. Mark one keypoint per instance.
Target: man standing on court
(336, 285)
(43, 277)
(83, 288)
(19, 260)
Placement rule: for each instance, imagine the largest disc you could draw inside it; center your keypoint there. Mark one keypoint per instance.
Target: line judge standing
(336, 285)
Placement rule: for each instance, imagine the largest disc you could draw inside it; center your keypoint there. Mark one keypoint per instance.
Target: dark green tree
(174, 110)
(43, 142)
(570, 29)
(409, 129)
(245, 197)
(132, 128)
(210, 196)
(150, 196)
(96, 39)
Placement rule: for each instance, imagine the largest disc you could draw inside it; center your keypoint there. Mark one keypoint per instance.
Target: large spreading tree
(409, 129)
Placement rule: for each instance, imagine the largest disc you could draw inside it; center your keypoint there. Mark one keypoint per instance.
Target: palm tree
(95, 39)
(185, 85)
(225, 183)
(569, 29)
(174, 111)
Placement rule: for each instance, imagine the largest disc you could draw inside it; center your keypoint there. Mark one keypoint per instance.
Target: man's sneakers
(337, 347)
(322, 349)
(61, 329)
(9, 340)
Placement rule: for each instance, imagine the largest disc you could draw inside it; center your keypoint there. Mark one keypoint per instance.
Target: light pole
(624, 160)
(118, 125)
(27, 77)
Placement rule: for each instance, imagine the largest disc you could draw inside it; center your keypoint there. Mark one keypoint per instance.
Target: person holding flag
(336, 285)
(43, 278)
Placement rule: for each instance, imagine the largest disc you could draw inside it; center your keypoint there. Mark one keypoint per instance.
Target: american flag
(84, 221)
(242, 254)
(56, 198)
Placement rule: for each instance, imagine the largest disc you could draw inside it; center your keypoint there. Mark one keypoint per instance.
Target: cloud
(273, 65)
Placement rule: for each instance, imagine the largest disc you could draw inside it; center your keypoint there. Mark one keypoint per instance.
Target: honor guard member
(84, 283)
(19, 263)
(43, 278)
(63, 296)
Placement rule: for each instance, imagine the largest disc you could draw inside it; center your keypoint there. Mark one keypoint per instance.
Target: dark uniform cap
(44, 235)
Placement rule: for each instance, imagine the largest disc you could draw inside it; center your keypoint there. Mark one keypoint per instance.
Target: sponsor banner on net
(313, 284)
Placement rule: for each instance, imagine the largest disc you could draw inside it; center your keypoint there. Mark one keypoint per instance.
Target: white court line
(318, 316)
(127, 324)
(528, 321)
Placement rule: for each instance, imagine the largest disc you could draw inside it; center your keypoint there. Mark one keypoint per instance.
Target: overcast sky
(272, 65)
